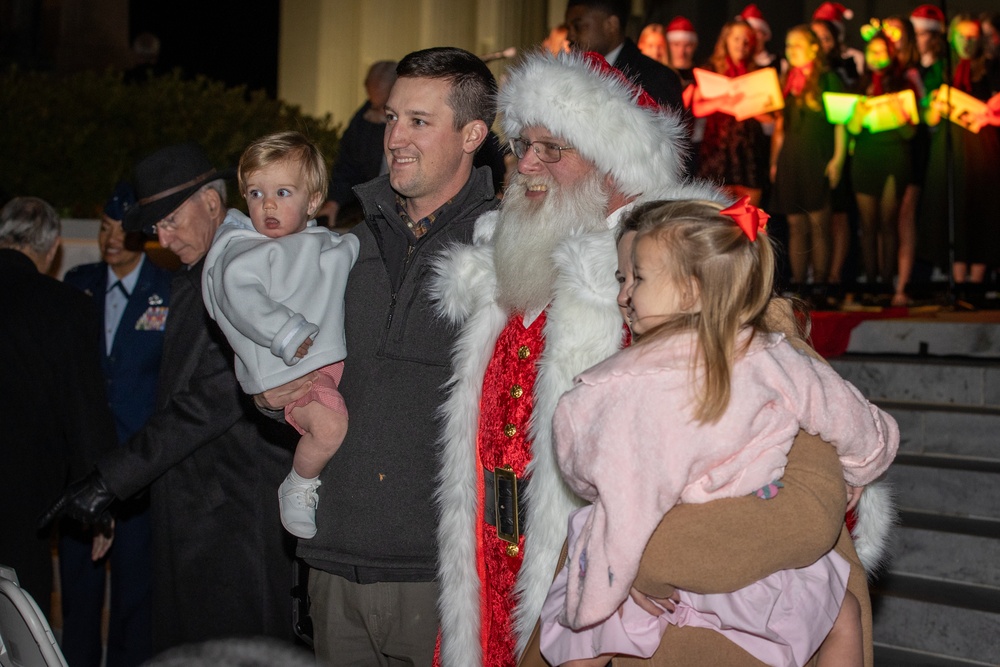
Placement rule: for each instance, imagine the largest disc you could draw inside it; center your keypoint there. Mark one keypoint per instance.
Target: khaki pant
(388, 624)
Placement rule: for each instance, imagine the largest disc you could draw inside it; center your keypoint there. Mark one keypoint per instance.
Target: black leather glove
(85, 500)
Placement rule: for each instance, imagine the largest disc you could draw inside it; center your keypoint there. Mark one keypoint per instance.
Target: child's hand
(834, 170)
(279, 397)
(853, 496)
(978, 121)
(304, 348)
(653, 606)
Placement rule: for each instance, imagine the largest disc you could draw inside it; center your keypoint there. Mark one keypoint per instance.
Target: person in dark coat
(222, 564)
(599, 26)
(132, 297)
(52, 403)
(359, 157)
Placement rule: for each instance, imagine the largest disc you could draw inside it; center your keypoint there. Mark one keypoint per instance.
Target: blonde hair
(812, 93)
(284, 147)
(734, 277)
(720, 53)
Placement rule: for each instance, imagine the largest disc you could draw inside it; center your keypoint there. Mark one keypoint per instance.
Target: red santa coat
(582, 326)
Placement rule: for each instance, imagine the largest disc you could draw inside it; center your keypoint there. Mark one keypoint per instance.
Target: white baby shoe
(298, 502)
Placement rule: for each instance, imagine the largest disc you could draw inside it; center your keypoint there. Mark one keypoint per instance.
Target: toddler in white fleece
(275, 283)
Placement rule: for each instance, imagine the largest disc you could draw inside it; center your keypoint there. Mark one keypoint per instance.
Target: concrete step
(948, 523)
(978, 336)
(938, 602)
(923, 379)
(954, 594)
(944, 431)
(951, 558)
(896, 656)
(931, 629)
(955, 493)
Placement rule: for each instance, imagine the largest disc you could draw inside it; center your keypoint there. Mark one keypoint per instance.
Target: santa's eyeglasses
(545, 150)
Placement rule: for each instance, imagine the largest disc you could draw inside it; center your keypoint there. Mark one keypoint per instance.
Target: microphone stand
(949, 158)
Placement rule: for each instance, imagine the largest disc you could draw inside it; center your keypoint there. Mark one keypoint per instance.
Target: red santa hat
(681, 30)
(835, 13)
(752, 15)
(927, 17)
(610, 121)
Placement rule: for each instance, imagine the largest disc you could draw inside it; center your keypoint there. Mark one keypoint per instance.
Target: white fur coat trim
(583, 326)
(876, 515)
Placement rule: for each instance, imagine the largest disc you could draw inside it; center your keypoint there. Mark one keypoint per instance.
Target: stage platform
(928, 330)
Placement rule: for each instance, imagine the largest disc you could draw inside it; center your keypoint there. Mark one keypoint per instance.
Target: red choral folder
(750, 95)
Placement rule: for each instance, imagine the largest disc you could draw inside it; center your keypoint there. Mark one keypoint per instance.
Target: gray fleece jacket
(270, 295)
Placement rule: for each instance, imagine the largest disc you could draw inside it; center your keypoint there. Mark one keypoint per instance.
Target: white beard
(528, 232)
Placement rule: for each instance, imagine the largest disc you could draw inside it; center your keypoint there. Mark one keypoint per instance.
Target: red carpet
(831, 330)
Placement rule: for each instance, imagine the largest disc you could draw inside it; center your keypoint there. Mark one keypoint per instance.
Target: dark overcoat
(662, 83)
(222, 563)
(52, 407)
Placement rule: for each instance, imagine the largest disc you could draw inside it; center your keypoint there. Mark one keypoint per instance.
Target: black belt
(504, 503)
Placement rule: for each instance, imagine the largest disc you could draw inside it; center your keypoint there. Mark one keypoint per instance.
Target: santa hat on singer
(835, 13)
(752, 15)
(681, 30)
(571, 93)
(929, 18)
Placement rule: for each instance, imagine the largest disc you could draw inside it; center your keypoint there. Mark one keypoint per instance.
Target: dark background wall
(233, 42)
(228, 41)
(238, 42)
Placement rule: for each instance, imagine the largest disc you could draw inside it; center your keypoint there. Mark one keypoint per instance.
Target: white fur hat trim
(597, 113)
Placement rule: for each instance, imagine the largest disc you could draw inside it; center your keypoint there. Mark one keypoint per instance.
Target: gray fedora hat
(164, 180)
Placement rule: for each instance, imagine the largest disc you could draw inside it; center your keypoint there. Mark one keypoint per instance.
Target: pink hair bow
(750, 218)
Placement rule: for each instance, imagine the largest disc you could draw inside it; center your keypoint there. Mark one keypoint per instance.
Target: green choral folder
(881, 115)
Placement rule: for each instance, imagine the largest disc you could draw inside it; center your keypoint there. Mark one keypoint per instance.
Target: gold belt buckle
(505, 476)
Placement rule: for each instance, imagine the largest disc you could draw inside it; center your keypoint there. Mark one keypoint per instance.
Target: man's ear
(612, 26)
(50, 256)
(616, 199)
(473, 135)
(213, 200)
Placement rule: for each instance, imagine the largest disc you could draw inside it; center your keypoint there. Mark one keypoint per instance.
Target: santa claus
(535, 299)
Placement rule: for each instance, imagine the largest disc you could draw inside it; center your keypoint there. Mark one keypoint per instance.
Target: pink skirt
(780, 620)
(324, 391)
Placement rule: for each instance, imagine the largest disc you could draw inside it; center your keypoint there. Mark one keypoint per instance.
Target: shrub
(69, 138)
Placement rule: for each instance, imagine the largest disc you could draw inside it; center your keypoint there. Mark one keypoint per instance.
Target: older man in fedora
(222, 565)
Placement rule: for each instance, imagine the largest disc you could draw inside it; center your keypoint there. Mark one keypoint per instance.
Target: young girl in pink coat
(704, 405)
